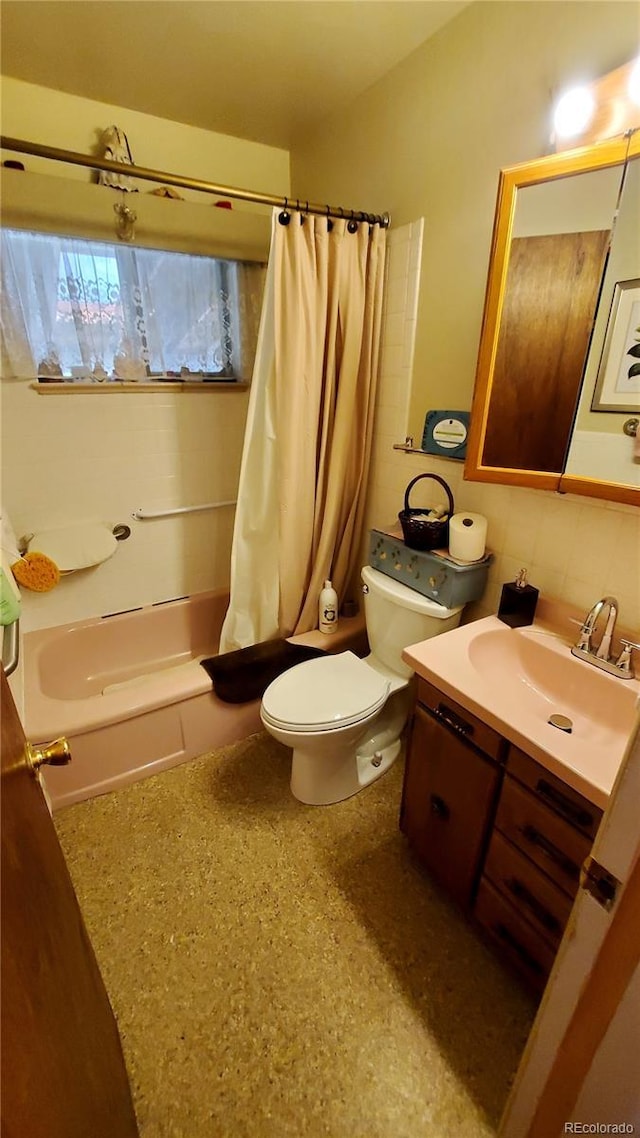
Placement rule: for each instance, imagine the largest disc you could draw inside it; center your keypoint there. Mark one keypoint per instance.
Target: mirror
(556, 257)
(611, 390)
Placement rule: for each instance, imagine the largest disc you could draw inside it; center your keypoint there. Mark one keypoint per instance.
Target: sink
(515, 679)
(536, 668)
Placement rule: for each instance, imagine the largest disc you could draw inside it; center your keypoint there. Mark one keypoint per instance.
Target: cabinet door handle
(445, 715)
(540, 912)
(551, 851)
(507, 936)
(439, 807)
(571, 810)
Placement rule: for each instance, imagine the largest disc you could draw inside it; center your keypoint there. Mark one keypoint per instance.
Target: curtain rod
(75, 159)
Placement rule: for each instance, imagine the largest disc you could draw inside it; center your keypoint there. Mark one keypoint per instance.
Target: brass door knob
(56, 754)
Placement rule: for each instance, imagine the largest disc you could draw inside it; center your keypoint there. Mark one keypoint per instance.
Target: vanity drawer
(545, 906)
(462, 722)
(571, 805)
(519, 943)
(555, 846)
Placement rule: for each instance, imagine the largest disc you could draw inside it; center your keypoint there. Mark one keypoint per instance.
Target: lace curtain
(86, 309)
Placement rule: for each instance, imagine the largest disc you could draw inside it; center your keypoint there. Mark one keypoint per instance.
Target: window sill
(134, 388)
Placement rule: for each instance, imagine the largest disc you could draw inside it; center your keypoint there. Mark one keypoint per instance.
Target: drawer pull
(439, 807)
(525, 956)
(571, 810)
(542, 915)
(445, 715)
(552, 852)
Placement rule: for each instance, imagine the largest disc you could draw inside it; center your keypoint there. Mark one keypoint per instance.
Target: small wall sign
(445, 433)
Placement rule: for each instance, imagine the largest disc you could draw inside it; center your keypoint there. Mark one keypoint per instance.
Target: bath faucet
(601, 656)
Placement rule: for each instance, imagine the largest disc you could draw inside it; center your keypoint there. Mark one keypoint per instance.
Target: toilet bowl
(343, 716)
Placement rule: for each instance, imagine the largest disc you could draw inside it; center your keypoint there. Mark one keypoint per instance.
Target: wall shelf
(427, 453)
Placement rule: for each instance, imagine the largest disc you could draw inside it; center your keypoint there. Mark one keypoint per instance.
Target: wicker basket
(421, 532)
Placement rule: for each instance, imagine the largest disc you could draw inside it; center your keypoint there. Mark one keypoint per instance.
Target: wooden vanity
(501, 834)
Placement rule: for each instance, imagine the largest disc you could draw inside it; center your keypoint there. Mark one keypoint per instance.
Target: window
(95, 312)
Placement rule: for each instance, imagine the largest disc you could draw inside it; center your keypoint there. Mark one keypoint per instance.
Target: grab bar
(142, 515)
(10, 647)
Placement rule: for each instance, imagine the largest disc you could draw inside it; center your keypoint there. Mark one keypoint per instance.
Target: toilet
(343, 716)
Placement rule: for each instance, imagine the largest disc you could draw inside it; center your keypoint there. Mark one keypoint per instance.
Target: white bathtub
(130, 695)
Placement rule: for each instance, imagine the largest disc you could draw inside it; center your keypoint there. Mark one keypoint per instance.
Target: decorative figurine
(114, 146)
(127, 365)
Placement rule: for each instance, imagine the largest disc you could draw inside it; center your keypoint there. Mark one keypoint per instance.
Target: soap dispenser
(518, 602)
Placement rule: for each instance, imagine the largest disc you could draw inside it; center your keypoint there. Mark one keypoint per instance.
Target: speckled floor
(278, 969)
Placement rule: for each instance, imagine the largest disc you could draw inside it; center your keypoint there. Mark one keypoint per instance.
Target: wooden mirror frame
(612, 152)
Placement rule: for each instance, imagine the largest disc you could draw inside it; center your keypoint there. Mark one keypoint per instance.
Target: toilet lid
(332, 691)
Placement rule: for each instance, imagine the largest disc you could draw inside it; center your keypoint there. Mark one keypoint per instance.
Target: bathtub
(130, 695)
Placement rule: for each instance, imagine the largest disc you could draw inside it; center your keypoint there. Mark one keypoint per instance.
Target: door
(63, 1071)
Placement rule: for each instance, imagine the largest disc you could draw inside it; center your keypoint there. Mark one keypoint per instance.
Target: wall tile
(98, 459)
(575, 549)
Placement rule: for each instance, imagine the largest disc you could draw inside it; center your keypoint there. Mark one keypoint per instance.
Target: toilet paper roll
(467, 536)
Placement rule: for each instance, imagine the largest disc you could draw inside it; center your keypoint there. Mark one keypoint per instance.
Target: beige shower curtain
(308, 440)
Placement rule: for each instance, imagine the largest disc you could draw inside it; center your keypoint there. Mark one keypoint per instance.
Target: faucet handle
(584, 641)
(624, 659)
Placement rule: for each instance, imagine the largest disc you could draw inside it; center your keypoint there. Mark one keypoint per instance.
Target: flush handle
(56, 754)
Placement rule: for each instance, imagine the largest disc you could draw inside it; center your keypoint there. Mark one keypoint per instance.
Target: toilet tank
(397, 616)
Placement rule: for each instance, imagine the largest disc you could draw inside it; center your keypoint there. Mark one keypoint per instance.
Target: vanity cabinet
(452, 778)
(504, 837)
(542, 833)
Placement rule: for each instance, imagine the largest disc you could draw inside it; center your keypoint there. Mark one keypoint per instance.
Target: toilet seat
(324, 694)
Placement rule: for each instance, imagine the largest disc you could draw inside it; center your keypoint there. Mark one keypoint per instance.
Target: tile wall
(575, 549)
(95, 458)
(98, 458)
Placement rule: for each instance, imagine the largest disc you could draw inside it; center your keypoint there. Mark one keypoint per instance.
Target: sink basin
(515, 679)
(536, 669)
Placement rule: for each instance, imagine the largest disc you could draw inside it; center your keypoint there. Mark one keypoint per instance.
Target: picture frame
(617, 386)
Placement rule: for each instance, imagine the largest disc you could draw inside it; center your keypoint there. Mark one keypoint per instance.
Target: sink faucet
(604, 648)
(601, 656)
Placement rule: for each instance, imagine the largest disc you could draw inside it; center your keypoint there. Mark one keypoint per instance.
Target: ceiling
(265, 70)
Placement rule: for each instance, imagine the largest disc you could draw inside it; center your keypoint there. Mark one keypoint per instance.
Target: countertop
(515, 702)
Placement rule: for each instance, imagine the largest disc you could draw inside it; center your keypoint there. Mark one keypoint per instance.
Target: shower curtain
(308, 437)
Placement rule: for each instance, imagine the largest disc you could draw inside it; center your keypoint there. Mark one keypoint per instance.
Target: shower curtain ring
(284, 217)
(352, 224)
(329, 221)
